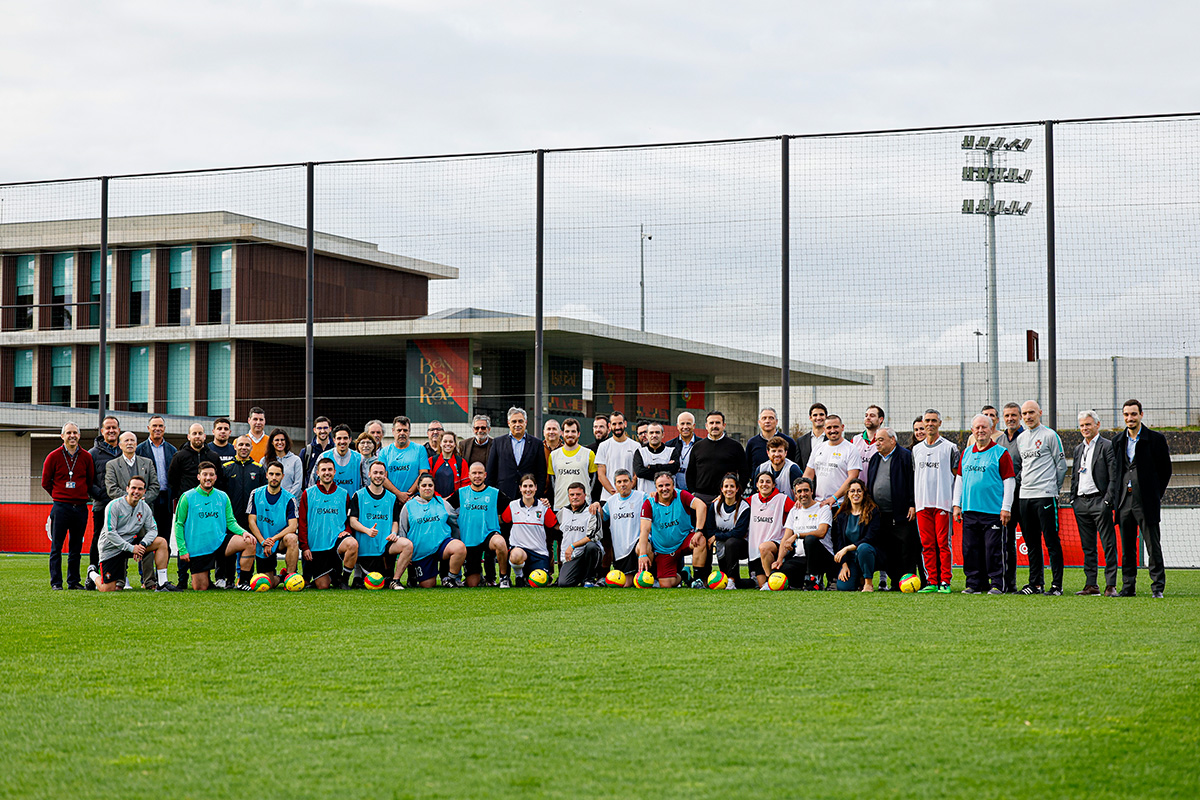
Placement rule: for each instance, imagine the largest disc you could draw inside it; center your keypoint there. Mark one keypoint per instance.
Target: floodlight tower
(991, 208)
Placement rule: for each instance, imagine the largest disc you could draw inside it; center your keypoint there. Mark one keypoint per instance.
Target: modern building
(206, 319)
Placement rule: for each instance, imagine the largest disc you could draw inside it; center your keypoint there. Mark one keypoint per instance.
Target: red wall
(23, 528)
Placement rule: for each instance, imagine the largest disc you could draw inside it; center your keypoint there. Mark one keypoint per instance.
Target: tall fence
(950, 267)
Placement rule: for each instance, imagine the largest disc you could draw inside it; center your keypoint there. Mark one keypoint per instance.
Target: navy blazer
(903, 497)
(1103, 468)
(505, 473)
(169, 450)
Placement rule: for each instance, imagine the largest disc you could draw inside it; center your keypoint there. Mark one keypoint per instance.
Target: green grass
(596, 693)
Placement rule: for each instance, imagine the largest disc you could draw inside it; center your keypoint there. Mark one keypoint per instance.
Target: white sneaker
(764, 588)
(730, 584)
(219, 583)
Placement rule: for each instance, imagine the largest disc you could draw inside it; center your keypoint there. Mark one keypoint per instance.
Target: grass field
(596, 693)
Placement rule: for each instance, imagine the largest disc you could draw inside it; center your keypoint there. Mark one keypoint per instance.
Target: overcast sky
(128, 86)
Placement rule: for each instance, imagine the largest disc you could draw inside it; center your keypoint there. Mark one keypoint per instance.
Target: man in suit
(1142, 474)
(117, 474)
(515, 455)
(160, 452)
(890, 484)
(1092, 494)
(808, 442)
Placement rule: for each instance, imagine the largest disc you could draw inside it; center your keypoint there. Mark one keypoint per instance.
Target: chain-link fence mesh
(662, 289)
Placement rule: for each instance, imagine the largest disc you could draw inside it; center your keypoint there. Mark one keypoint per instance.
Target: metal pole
(785, 289)
(1187, 390)
(1051, 296)
(539, 344)
(642, 272)
(309, 291)
(993, 325)
(962, 396)
(1116, 406)
(103, 349)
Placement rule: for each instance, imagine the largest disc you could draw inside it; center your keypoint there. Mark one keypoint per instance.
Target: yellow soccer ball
(910, 583)
(777, 581)
(294, 583)
(538, 578)
(615, 578)
(373, 580)
(717, 580)
(260, 583)
(644, 579)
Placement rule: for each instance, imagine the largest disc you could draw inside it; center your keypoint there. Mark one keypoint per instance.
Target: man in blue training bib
(984, 484)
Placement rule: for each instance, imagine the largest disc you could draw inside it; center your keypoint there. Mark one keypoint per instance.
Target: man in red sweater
(66, 476)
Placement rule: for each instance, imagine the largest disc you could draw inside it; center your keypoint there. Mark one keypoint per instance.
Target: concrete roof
(26, 417)
(205, 226)
(565, 336)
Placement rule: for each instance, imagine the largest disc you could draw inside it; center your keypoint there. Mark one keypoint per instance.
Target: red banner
(654, 395)
(691, 394)
(609, 389)
(438, 380)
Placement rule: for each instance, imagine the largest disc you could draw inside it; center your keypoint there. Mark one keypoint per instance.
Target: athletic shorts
(475, 556)
(267, 565)
(427, 568)
(385, 565)
(198, 564)
(628, 563)
(115, 568)
(325, 562)
(536, 561)
(666, 565)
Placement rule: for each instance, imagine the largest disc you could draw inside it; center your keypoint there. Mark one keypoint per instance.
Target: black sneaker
(397, 585)
(92, 574)
(167, 587)
(245, 587)
(969, 590)
(1055, 591)
(340, 585)
(995, 591)
(452, 582)
(56, 587)
(75, 587)
(1030, 589)
(1156, 595)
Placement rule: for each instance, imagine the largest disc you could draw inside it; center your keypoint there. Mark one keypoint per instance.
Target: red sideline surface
(23, 530)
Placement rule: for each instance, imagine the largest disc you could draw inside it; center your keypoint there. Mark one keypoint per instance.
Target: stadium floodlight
(990, 207)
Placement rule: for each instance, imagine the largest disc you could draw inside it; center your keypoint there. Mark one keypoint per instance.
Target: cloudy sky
(130, 86)
(122, 86)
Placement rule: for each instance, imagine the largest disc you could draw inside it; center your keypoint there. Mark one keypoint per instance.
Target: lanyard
(70, 463)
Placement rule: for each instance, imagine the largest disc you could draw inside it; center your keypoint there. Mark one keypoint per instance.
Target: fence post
(1117, 420)
(785, 290)
(539, 353)
(1051, 299)
(309, 291)
(962, 395)
(103, 349)
(1187, 391)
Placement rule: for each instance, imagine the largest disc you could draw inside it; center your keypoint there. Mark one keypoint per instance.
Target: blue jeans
(862, 565)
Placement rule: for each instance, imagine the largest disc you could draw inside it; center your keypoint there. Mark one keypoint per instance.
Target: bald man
(1042, 466)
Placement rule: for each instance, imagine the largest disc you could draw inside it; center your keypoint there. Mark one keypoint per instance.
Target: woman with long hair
(279, 449)
(855, 539)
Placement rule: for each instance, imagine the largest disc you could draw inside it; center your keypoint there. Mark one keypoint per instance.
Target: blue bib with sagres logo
(326, 517)
(982, 486)
(669, 525)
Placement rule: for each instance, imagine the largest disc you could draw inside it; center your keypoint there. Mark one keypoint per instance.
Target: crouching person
(130, 532)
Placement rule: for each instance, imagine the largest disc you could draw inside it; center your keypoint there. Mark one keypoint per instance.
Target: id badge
(70, 484)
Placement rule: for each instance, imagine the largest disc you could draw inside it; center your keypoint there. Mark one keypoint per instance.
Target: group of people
(826, 511)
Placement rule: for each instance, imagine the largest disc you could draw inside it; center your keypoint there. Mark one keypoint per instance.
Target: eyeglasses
(436, 430)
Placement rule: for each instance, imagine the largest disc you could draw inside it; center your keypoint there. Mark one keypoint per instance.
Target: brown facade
(272, 376)
(8, 292)
(270, 288)
(7, 376)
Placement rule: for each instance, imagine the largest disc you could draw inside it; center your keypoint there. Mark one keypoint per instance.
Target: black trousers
(583, 566)
(983, 550)
(1133, 521)
(732, 551)
(820, 561)
(901, 549)
(1093, 517)
(1010, 544)
(1039, 520)
(98, 510)
(68, 525)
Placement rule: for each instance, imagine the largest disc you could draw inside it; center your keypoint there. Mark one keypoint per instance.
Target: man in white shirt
(935, 460)
(865, 441)
(833, 463)
(615, 452)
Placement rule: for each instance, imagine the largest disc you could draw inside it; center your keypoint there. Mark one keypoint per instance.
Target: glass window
(179, 378)
(94, 289)
(60, 376)
(23, 376)
(179, 288)
(24, 316)
(63, 276)
(94, 376)
(220, 356)
(139, 287)
(139, 378)
(220, 279)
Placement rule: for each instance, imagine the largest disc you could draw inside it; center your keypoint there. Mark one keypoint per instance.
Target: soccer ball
(373, 580)
(643, 580)
(538, 578)
(294, 583)
(777, 581)
(717, 580)
(260, 583)
(910, 583)
(615, 578)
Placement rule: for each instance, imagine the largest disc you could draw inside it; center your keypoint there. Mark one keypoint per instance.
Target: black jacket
(1154, 469)
(901, 471)
(241, 479)
(1102, 470)
(869, 536)
(101, 454)
(181, 474)
(504, 472)
(756, 451)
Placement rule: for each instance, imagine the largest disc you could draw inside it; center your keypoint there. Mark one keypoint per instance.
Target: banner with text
(438, 380)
